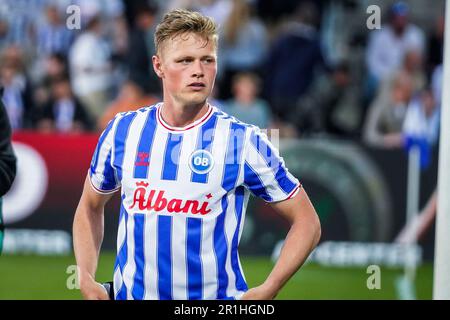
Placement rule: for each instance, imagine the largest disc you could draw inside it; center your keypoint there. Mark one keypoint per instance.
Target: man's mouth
(197, 85)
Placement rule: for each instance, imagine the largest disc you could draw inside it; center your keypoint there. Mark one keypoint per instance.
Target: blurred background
(347, 87)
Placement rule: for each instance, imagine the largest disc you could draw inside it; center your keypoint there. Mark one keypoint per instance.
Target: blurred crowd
(277, 66)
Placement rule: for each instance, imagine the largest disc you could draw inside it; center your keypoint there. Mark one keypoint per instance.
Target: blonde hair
(180, 21)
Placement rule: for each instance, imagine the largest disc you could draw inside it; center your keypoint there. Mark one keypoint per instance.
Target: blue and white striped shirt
(184, 194)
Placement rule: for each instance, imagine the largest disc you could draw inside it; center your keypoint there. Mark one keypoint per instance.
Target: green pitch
(36, 277)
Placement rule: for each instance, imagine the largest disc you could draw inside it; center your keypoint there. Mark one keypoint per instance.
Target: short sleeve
(102, 173)
(265, 173)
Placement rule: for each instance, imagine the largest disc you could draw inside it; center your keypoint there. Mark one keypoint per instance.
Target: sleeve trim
(294, 192)
(103, 192)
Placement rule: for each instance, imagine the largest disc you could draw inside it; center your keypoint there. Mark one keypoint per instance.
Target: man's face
(187, 65)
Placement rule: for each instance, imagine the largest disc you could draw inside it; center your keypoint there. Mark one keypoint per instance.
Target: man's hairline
(180, 34)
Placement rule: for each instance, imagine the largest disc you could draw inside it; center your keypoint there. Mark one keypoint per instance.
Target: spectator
(384, 123)
(412, 68)
(330, 106)
(245, 105)
(436, 84)
(55, 65)
(3, 34)
(435, 50)
(218, 10)
(387, 47)
(293, 61)
(132, 96)
(142, 48)
(16, 89)
(243, 44)
(91, 70)
(422, 118)
(64, 113)
(53, 36)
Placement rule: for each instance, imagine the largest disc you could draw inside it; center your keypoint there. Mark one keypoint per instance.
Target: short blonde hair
(180, 21)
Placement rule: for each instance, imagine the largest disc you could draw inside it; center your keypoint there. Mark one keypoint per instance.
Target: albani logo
(155, 201)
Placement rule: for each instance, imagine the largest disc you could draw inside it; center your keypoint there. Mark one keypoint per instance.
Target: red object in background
(67, 157)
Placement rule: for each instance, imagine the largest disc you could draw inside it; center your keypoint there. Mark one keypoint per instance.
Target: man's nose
(197, 70)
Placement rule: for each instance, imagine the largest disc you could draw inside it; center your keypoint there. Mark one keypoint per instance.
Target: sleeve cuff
(96, 186)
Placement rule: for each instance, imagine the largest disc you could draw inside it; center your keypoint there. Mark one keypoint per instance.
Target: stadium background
(326, 123)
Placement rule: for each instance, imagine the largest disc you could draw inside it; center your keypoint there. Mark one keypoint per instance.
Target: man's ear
(157, 66)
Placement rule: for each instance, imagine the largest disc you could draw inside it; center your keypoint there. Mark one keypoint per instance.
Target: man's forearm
(302, 238)
(88, 236)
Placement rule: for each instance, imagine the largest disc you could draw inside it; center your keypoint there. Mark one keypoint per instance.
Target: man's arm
(302, 238)
(87, 240)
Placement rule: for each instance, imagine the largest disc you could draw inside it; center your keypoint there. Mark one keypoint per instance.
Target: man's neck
(180, 116)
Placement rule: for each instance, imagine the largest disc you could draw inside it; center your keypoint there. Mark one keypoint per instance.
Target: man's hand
(262, 292)
(92, 290)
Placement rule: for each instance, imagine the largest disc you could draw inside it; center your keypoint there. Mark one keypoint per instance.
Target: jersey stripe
(120, 140)
(274, 162)
(254, 183)
(151, 253)
(122, 255)
(231, 171)
(138, 283)
(145, 145)
(239, 204)
(164, 257)
(194, 265)
(100, 143)
(204, 142)
(108, 172)
(130, 267)
(178, 258)
(220, 250)
(172, 156)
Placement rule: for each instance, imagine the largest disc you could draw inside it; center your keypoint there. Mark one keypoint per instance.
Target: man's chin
(195, 100)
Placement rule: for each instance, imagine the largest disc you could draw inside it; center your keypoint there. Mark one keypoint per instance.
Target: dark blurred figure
(141, 48)
(4, 41)
(7, 161)
(17, 94)
(64, 113)
(435, 50)
(293, 61)
(55, 65)
(330, 106)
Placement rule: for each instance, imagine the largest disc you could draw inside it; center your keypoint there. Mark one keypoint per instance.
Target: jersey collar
(196, 123)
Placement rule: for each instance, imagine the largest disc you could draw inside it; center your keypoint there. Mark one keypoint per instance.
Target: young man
(7, 161)
(185, 170)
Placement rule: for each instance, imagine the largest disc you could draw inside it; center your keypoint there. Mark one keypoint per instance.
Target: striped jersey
(184, 193)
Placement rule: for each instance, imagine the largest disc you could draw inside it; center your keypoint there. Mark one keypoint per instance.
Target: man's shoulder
(232, 120)
(138, 112)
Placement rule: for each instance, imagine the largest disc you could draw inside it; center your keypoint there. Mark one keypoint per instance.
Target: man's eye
(208, 60)
(185, 61)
